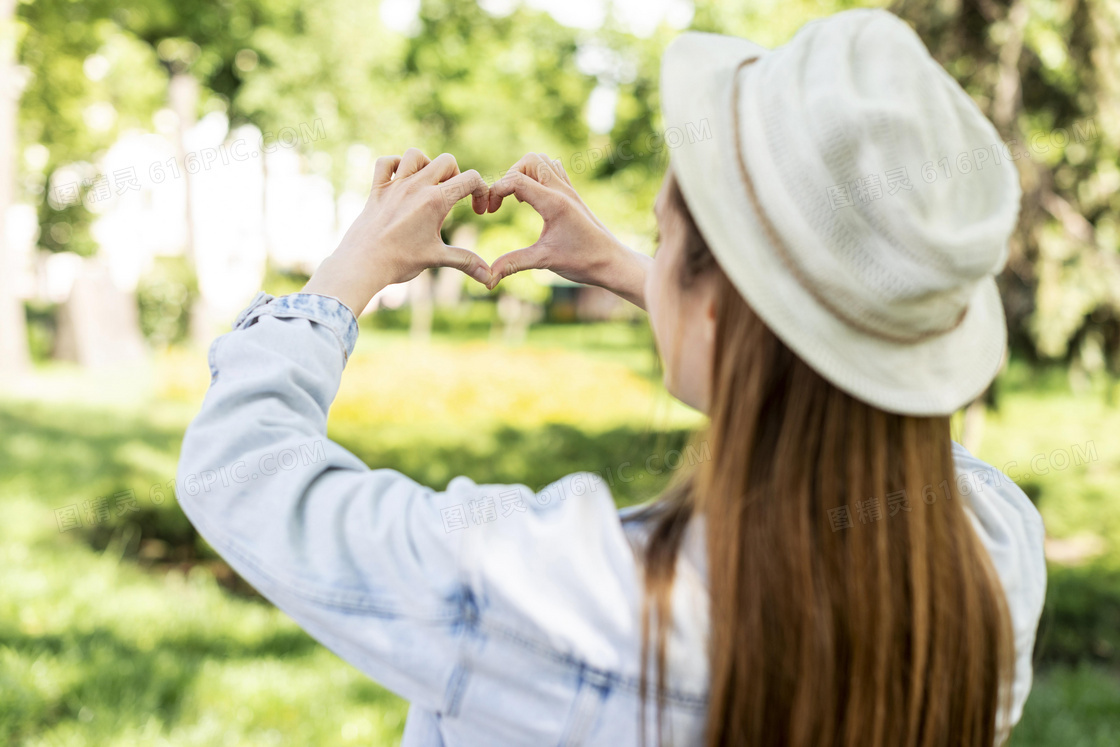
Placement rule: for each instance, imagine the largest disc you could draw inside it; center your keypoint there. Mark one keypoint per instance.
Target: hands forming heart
(397, 234)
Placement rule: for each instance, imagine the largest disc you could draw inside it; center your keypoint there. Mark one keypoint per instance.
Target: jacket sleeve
(517, 592)
(1011, 529)
(365, 560)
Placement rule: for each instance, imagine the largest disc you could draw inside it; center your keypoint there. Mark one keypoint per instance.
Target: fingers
(537, 167)
(384, 167)
(523, 187)
(538, 180)
(543, 169)
(443, 171)
(411, 162)
(467, 262)
(560, 168)
(547, 168)
(554, 168)
(533, 257)
(442, 168)
(529, 180)
(467, 183)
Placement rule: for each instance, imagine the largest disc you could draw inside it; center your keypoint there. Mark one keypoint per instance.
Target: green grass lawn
(130, 632)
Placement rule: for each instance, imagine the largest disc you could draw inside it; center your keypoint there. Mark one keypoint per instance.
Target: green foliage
(1082, 618)
(490, 88)
(42, 326)
(472, 318)
(58, 37)
(1044, 73)
(77, 115)
(165, 295)
(279, 282)
(1071, 706)
(66, 229)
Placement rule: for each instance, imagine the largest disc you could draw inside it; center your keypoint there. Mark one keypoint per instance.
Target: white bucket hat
(856, 197)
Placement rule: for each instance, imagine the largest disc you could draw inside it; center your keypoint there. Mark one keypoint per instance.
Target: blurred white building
(247, 206)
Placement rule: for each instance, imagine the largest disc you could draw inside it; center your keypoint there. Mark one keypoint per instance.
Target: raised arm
(574, 243)
(360, 558)
(459, 600)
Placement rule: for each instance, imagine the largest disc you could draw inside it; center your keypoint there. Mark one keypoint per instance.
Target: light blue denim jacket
(506, 616)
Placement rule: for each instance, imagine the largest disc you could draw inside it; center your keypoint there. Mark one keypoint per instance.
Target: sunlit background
(162, 160)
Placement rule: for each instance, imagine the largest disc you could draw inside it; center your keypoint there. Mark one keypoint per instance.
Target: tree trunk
(182, 94)
(516, 315)
(15, 356)
(99, 324)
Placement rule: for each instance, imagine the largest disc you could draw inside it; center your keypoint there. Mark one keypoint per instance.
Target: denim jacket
(504, 615)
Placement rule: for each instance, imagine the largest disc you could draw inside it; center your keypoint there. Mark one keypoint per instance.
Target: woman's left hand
(397, 234)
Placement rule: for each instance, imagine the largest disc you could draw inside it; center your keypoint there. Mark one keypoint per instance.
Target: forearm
(280, 365)
(625, 275)
(260, 435)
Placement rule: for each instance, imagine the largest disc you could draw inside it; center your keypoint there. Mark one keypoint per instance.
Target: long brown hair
(851, 601)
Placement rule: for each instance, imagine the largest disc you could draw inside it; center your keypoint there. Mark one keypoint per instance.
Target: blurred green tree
(491, 86)
(487, 88)
(1048, 76)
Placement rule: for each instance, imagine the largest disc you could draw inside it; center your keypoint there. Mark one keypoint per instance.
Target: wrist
(624, 273)
(349, 279)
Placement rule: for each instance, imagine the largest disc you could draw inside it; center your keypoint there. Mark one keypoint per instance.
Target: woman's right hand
(573, 243)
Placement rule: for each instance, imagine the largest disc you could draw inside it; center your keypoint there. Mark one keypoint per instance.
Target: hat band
(787, 258)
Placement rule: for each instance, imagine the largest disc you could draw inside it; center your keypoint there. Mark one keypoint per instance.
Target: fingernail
(482, 275)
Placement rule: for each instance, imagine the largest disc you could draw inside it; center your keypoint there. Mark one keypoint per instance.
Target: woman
(825, 578)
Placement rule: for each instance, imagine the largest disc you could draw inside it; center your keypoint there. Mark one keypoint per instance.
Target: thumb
(467, 262)
(533, 257)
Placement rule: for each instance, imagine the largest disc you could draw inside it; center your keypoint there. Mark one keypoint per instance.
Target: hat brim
(935, 376)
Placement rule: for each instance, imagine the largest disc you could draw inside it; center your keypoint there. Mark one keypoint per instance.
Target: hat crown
(890, 191)
(856, 197)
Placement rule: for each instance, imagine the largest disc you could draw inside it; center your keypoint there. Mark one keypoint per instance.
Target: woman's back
(505, 616)
(836, 574)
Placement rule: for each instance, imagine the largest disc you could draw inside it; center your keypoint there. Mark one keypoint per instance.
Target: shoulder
(1008, 522)
(1011, 529)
